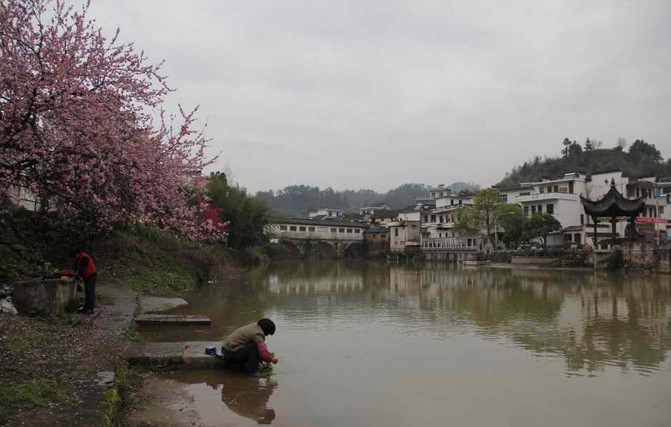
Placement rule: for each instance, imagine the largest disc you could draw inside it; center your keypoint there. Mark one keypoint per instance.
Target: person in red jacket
(89, 273)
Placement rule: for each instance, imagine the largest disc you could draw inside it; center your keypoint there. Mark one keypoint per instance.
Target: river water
(368, 344)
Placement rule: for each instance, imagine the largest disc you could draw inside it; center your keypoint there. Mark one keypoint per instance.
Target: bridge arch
(291, 249)
(353, 250)
(326, 250)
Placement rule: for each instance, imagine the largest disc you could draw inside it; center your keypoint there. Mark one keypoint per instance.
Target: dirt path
(52, 369)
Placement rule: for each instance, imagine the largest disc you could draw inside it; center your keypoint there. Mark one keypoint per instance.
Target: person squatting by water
(246, 347)
(89, 273)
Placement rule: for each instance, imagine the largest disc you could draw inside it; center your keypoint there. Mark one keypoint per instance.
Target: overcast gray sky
(373, 94)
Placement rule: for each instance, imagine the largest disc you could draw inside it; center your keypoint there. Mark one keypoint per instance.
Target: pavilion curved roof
(613, 204)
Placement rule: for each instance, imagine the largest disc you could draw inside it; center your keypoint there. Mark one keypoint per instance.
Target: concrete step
(177, 355)
(150, 304)
(172, 320)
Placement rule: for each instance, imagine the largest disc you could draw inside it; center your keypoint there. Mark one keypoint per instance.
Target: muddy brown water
(369, 344)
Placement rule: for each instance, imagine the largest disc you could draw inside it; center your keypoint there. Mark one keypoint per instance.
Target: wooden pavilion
(615, 206)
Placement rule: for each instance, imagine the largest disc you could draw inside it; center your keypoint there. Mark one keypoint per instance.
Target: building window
(577, 238)
(283, 228)
(526, 211)
(533, 210)
(396, 232)
(582, 219)
(292, 228)
(542, 190)
(441, 219)
(468, 242)
(567, 237)
(433, 218)
(349, 231)
(451, 201)
(661, 210)
(333, 230)
(341, 230)
(555, 189)
(426, 218)
(311, 229)
(301, 229)
(459, 202)
(503, 198)
(357, 231)
(550, 208)
(540, 209)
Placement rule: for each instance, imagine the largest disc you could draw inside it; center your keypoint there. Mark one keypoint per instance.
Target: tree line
(640, 159)
(298, 200)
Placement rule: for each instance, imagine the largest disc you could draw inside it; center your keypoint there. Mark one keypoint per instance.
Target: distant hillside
(297, 200)
(642, 159)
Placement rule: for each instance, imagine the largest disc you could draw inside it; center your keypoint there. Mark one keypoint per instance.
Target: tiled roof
(386, 213)
(613, 204)
(318, 223)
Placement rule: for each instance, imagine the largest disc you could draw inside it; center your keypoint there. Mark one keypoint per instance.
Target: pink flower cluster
(76, 125)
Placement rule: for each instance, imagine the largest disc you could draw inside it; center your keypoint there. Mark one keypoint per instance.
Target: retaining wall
(647, 256)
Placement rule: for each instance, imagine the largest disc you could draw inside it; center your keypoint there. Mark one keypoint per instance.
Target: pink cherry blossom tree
(78, 125)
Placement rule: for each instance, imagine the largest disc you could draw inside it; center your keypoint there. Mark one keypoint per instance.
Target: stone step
(172, 320)
(150, 304)
(176, 355)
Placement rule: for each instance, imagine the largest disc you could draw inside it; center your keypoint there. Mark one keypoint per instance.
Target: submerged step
(172, 319)
(178, 355)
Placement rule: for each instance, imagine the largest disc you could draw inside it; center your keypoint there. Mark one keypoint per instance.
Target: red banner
(642, 220)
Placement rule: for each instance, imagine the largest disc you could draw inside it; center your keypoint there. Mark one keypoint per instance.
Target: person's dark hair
(267, 325)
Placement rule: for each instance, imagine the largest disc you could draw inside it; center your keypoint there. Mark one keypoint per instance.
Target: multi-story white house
(561, 199)
(404, 233)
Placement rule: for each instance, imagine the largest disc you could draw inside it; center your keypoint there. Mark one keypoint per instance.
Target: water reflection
(249, 397)
(242, 395)
(590, 320)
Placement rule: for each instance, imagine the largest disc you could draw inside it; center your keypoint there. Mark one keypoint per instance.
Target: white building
(440, 191)
(561, 199)
(310, 229)
(22, 197)
(384, 217)
(326, 213)
(370, 210)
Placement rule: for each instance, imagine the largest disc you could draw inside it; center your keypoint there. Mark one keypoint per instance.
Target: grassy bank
(158, 262)
(145, 258)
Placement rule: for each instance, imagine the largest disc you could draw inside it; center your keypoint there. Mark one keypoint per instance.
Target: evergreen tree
(589, 146)
(566, 143)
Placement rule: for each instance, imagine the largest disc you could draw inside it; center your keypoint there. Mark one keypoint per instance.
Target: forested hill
(641, 159)
(297, 200)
